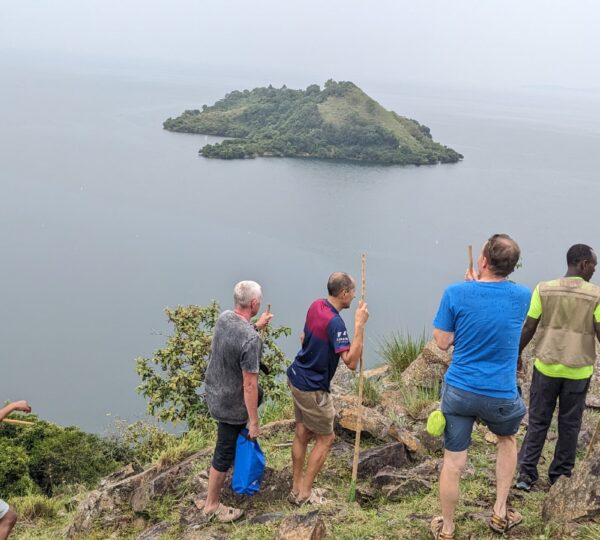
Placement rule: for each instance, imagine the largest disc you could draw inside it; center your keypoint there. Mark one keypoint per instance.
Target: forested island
(337, 122)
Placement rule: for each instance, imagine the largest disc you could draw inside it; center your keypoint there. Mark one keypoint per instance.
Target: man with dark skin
(565, 313)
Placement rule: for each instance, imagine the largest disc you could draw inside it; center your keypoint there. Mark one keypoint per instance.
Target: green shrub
(371, 391)
(399, 350)
(70, 456)
(14, 469)
(171, 379)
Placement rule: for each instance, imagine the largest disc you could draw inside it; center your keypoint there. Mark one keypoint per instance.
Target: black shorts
(227, 435)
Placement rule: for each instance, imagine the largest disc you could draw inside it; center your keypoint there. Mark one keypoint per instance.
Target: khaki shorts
(314, 410)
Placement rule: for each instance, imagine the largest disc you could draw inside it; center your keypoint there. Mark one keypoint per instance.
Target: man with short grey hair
(231, 385)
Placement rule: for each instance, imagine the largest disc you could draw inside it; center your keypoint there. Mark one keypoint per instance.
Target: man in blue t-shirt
(325, 340)
(482, 317)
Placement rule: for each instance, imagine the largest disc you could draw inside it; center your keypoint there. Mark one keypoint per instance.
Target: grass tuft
(34, 507)
(178, 449)
(416, 398)
(399, 350)
(274, 410)
(371, 391)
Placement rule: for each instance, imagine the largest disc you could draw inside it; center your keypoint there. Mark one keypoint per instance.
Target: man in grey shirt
(231, 385)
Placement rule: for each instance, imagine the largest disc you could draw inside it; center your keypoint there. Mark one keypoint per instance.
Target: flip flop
(501, 525)
(315, 497)
(223, 514)
(437, 523)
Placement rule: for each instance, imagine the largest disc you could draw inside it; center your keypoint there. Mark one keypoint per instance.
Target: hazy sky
(484, 42)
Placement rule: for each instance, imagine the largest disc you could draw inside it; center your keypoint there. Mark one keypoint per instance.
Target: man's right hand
(22, 406)
(470, 275)
(253, 430)
(362, 314)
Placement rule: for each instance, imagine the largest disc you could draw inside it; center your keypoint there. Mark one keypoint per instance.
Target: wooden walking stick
(352, 496)
(263, 367)
(264, 330)
(15, 421)
(470, 253)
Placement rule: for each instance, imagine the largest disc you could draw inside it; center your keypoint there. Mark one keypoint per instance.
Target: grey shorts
(3, 508)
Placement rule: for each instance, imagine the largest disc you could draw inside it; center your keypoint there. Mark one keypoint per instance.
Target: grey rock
(373, 460)
(576, 498)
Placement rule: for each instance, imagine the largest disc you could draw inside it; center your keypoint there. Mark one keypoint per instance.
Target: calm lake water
(107, 219)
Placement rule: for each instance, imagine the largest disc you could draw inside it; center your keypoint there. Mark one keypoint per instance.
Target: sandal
(223, 514)
(501, 525)
(437, 523)
(315, 497)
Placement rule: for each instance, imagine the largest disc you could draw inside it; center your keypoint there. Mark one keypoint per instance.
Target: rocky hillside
(397, 491)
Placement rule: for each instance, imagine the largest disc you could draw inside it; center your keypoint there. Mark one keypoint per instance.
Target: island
(338, 122)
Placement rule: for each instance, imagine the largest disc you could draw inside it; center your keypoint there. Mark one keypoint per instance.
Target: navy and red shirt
(325, 337)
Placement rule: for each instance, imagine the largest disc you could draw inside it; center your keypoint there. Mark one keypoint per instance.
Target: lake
(107, 219)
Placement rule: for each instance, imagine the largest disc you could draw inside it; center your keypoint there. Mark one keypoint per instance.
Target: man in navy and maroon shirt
(324, 341)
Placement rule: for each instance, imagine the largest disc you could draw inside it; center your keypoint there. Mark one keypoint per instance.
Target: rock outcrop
(126, 492)
(576, 498)
(302, 527)
(428, 368)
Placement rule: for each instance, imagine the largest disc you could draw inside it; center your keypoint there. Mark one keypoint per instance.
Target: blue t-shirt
(325, 337)
(486, 318)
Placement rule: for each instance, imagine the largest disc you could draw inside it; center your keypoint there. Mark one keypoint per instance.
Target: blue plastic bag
(249, 465)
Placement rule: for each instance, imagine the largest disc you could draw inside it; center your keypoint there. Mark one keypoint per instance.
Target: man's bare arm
(22, 406)
(444, 340)
(527, 333)
(250, 381)
(352, 356)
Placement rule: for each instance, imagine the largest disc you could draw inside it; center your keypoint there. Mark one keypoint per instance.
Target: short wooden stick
(15, 421)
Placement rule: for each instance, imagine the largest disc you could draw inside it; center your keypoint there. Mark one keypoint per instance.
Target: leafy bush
(70, 456)
(14, 469)
(172, 379)
(399, 350)
(44, 457)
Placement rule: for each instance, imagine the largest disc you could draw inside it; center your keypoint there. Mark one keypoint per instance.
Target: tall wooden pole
(352, 497)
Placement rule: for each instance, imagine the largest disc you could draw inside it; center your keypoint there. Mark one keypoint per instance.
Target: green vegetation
(172, 377)
(399, 350)
(44, 457)
(338, 122)
(416, 398)
(371, 391)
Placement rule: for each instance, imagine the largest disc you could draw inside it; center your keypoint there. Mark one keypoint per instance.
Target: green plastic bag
(436, 423)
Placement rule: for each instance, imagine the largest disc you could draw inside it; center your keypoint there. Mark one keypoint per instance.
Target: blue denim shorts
(461, 408)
